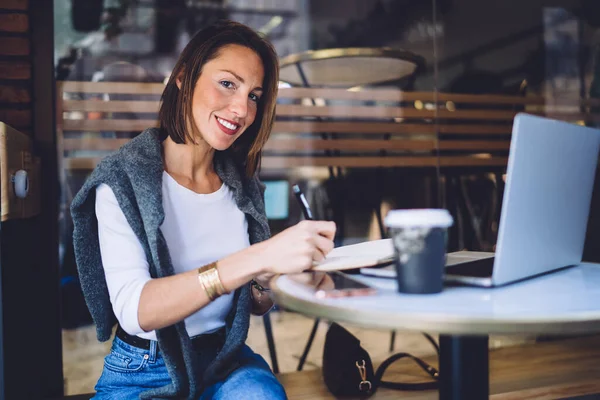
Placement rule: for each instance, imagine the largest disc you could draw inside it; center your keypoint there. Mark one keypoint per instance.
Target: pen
(303, 203)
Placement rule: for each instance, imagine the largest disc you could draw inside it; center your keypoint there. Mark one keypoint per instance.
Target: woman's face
(226, 95)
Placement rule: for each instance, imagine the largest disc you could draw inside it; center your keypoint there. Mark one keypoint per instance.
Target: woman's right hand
(294, 250)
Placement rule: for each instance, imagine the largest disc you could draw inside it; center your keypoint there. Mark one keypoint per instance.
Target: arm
(165, 301)
(139, 302)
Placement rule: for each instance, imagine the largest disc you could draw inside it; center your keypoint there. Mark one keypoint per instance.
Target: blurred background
(383, 104)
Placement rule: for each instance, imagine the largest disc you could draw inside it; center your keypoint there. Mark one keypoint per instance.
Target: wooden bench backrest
(321, 127)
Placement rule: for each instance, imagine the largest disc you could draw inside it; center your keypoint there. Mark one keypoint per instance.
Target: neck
(194, 162)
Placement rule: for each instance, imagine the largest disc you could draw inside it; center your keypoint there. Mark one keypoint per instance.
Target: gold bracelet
(208, 288)
(209, 279)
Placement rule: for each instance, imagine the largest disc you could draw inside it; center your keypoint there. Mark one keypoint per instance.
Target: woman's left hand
(317, 279)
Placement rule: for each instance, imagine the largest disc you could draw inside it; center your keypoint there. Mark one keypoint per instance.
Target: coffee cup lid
(432, 217)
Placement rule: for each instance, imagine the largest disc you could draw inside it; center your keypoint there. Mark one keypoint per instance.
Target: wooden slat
(14, 46)
(387, 127)
(111, 106)
(347, 144)
(131, 125)
(15, 70)
(466, 161)
(14, 4)
(113, 87)
(309, 111)
(290, 145)
(14, 22)
(474, 145)
(351, 127)
(81, 163)
(389, 112)
(279, 162)
(108, 125)
(14, 94)
(93, 143)
(394, 95)
(474, 129)
(398, 112)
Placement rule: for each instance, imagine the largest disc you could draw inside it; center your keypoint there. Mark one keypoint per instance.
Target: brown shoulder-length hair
(175, 112)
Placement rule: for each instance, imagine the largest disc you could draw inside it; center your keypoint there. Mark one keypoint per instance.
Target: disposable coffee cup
(419, 237)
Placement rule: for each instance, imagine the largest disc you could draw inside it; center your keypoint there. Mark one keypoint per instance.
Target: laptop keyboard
(481, 268)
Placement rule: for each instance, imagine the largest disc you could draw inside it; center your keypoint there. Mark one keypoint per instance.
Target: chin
(221, 145)
(221, 148)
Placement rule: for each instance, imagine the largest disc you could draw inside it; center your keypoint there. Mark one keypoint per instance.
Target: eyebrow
(239, 78)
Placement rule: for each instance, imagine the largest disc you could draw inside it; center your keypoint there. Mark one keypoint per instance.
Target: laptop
(547, 196)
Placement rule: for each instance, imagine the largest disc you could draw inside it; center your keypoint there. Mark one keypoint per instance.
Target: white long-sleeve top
(198, 228)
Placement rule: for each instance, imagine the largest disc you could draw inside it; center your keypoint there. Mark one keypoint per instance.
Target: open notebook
(377, 253)
(457, 258)
(366, 254)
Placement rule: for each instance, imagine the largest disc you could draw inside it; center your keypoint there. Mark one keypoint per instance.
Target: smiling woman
(225, 101)
(171, 235)
(231, 69)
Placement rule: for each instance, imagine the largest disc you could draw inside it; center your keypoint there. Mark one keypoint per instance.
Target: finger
(318, 277)
(323, 244)
(329, 232)
(318, 255)
(303, 277)
(324, 228)
(326, 283)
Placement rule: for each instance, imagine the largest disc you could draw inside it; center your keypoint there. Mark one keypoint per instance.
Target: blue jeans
(129, 371)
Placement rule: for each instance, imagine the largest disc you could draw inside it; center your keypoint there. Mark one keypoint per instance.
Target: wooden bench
(321, 127)
(446, 136)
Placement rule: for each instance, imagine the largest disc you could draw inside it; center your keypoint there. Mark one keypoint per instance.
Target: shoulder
(108, 210)
(133, 162)
(137, 163)
(105, 195)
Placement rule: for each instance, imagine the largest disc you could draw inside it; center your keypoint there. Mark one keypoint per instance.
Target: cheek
(252, 110)
(205, 102)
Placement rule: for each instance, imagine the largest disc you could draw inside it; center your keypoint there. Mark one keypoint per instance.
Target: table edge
(582, 323)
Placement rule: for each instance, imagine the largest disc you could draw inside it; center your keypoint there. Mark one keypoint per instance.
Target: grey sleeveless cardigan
(134, 173)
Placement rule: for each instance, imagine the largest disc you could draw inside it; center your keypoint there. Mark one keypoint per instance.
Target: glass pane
(535, 57)
(355, 126)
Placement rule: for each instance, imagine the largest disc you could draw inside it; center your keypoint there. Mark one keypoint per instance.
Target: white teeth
(227, 124)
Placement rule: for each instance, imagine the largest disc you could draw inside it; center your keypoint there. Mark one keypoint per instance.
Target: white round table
(348, 67)
(563, 302)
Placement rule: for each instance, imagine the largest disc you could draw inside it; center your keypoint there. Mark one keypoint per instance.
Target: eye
(227, 84)
(254, 97)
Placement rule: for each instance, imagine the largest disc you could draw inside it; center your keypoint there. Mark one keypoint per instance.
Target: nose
(239, 105)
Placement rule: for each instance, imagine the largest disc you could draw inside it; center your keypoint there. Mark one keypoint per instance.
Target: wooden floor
(549, 370)
(83, 355)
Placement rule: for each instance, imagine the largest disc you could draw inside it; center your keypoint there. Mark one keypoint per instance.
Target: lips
(230, 128)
